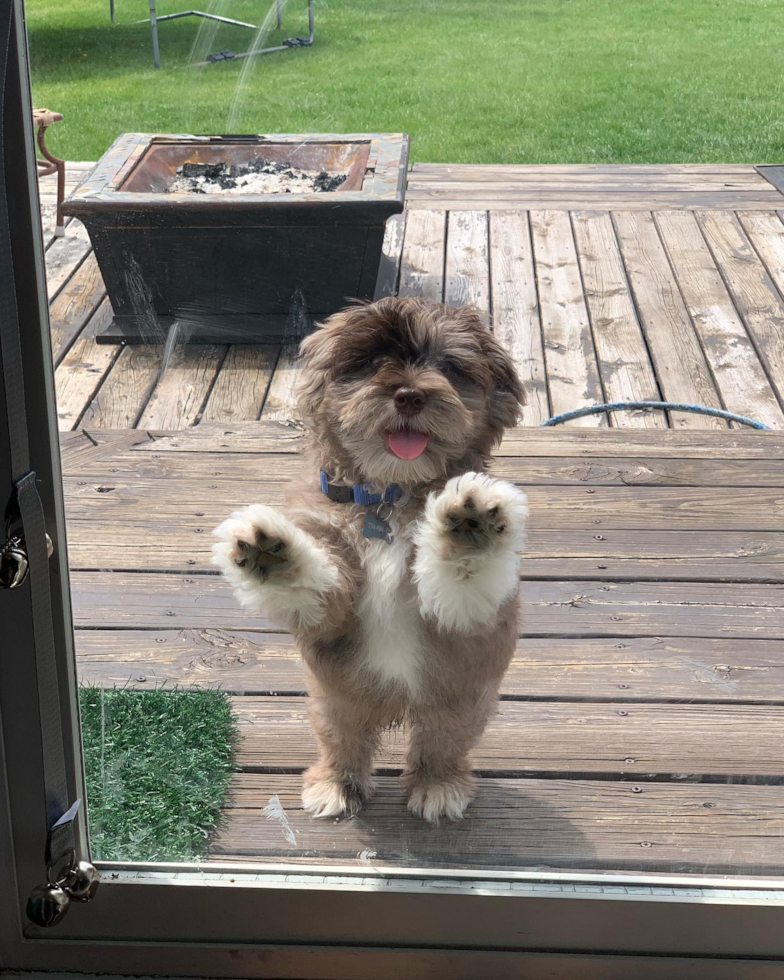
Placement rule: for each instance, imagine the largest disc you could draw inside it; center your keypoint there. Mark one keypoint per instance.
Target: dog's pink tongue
(406, 443)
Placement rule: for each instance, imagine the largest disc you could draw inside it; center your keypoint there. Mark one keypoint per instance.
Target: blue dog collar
(360, 493)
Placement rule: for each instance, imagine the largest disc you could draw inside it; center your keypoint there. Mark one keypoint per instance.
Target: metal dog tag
(374, 527)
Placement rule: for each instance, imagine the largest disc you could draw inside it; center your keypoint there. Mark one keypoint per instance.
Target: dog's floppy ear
(507, 396)
(508, 393)
(317, 353)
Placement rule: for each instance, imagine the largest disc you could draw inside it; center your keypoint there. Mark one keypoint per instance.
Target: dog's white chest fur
(389, 614)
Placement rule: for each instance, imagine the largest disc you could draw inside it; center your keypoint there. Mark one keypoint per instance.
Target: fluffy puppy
(404, 610)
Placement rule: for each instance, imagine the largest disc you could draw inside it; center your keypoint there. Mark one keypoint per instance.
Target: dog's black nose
(409, 401)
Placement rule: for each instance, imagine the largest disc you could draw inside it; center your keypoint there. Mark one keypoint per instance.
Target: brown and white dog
(404, 604)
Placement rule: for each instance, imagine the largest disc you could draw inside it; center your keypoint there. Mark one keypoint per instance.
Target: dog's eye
(455, 371)
(353, 367)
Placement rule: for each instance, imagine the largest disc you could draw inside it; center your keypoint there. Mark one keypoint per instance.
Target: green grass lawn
(157, 767)
(493, 81)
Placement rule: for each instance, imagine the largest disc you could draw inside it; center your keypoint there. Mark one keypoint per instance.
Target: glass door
(323, 688)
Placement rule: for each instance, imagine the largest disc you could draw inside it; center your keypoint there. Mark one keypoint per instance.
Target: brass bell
(13, 567)
(47, 905)
(81, 882)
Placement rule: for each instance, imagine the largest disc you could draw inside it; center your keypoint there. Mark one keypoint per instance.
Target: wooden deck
(606, 283)
(641, 726)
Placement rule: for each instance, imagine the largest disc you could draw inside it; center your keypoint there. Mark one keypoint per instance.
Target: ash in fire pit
(258, 176)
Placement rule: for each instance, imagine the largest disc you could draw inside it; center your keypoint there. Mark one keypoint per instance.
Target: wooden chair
(43, 119)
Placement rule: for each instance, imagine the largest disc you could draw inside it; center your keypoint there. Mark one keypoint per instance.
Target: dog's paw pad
(466, 519)
(478, 509)
(257, 549)
(253, 542)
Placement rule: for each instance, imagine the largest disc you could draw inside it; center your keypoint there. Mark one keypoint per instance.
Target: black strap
(61, 838)
(341, 495)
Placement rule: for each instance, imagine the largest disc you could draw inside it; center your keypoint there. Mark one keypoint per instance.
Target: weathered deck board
(624, 364)
(572, 372)
(736, 367)
(266, 437)
(79, 447)
(145, 462)
(422, 257)
(126, 389)
(467, 272)
(727, 556)
(241, 385)
(681, 369)
(178, 398)
(515, 307)
(521, 823)
(576, 184)
(280, 405)
(570, 169)
(547, 608)
(665, 740)
(754, 294)
(602, 201)
(64, 256)
(561, 508)
(74, 305)
(765, 230)
(79, 374)
(590, 187)
(655, 669)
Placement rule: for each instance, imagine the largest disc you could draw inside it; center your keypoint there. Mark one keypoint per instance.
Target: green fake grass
(157, 766)
(545, 81)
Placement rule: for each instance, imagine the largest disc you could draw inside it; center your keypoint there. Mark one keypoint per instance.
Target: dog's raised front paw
(468, 544)
(274, 567)
(255, 540)
(476, 511)
(256, 548)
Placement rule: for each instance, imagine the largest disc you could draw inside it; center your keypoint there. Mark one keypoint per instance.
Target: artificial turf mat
(157, 767)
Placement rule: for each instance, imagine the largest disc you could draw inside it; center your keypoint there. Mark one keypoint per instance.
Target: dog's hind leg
(341, 782)
(278, 570)
(438, 777)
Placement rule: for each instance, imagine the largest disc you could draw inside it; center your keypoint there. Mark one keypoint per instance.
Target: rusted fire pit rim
(378, 173)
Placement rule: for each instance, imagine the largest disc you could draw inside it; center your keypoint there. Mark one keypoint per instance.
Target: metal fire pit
(228, 267)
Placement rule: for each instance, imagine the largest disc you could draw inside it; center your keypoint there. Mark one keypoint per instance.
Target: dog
(397, 566)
